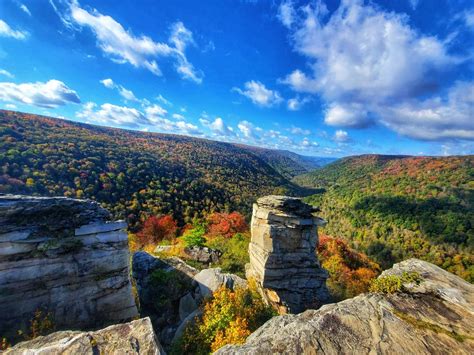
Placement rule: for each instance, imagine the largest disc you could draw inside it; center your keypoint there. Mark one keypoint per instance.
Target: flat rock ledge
(435, 316)
(136, 337)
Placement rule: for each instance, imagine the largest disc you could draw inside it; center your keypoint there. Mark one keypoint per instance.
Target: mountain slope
(131, 172)
(287, 163)
(394, 207)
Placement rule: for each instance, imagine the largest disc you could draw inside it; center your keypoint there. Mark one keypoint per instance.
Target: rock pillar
(282, 251)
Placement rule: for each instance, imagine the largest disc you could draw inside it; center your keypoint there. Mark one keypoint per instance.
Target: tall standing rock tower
(283, 257)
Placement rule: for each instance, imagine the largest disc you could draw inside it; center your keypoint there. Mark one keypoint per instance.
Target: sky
(320, 78)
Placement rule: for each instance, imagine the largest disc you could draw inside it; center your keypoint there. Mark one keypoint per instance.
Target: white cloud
(125, 93)
(177, 116)
(10, 106)
(163, 100)
(370, 65)
(155, 111)
(347, 115)
(7, 31)
(286, 13)
(441, 117)
(341, 136)
(299, 131)
(6, 73)
(108, 83)
(414, 3)
(124, 47)
(296, 103)
(25, 9)
(247, 129)
(109, 114)
(259, 94)
(469, 18)
(217, 126)
(306, 143)
(50, 94)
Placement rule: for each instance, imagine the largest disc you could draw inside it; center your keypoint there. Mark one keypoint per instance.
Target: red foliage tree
(226, 224)
(155, 229)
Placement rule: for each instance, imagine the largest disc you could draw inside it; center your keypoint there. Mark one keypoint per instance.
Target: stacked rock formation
(63, 257)
(282, 254)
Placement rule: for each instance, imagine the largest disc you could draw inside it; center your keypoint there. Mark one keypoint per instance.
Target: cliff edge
(434, 315)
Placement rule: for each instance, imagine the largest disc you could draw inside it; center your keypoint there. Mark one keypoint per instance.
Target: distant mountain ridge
(133, 172)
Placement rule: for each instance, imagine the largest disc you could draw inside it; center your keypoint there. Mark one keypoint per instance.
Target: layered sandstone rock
(282, 254)
(136, 337)
(435, 316)
(63, 257)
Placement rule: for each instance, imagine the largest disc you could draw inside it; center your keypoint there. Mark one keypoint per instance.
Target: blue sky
(326, 78)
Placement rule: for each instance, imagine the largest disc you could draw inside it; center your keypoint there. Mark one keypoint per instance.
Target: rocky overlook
(434, 316)
(64, 257)
(282, 254)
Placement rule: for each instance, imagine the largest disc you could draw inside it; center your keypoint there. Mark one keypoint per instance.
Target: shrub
(234, 252)
(155, 229)
(226, 224)
(194, 237)
(394, 283)
(228, 318)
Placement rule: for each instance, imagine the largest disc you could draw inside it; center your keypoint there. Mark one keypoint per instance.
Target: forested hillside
(131, 173)
(396, 207)
(287, 163)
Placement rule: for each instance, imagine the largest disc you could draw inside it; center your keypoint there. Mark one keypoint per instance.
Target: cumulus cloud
(341, 136)
(437, 118)
(299, 131)
(348, 115)
(259, 94)
(6, 73)
(296, 103)
(248, 129)
(368, 64)
(50, 94)
(164, 100)
(109, 114)
(217, 126)
(7, 31)
(156, 111)
(123, 116)
(122, 46)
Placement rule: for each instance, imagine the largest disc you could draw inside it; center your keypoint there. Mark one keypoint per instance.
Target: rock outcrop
(282, 254)
(136, 337)
(435, 316)
(170, 291)
(62, 256)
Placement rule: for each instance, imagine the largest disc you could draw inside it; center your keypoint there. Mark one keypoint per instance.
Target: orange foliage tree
(350, 272)
(225, 224)
(155, 229)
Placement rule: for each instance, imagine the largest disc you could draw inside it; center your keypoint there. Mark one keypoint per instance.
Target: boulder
(209, 280)
(203, 254)
(282, 253)
(435, 316)
(187, 305)
(136, 337)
